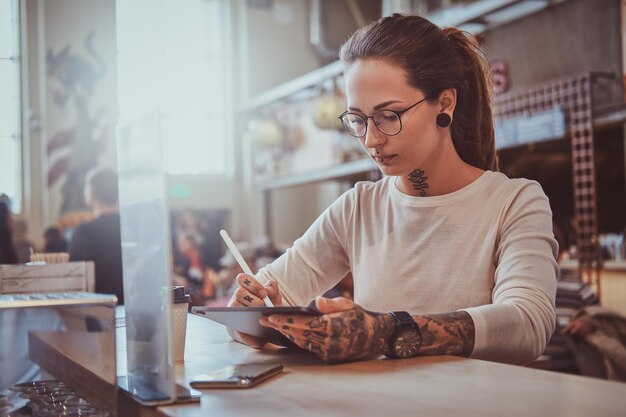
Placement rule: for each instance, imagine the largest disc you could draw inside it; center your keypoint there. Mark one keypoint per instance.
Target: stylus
(242, 263)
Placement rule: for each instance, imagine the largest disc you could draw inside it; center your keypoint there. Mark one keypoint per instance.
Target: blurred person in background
(4, 198)
(203, 229)
(191, 223)
(54, 240)
(198, 278)
(99, 240)
(22, 244)
(19, 230)
(8, 254)
(597, 338)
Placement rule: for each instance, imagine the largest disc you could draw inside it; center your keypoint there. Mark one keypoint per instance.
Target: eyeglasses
(387, 121)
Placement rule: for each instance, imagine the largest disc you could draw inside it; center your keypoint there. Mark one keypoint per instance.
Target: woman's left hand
(344, 332)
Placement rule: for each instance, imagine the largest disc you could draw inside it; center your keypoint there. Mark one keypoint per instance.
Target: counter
(432, 386)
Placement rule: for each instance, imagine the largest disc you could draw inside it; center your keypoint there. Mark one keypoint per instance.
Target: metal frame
(574, 97)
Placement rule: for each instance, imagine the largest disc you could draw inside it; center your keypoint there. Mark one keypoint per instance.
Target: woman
(462, 257)
(8, 255)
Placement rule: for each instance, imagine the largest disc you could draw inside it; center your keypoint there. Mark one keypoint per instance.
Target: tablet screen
(246, 319)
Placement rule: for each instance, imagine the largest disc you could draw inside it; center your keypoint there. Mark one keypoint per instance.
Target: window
(10, 131)
(173, 57)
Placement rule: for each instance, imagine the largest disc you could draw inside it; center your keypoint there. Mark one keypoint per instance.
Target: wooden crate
(62, 277)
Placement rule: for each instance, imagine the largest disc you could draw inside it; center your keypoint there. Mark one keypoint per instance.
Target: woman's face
(376, 84)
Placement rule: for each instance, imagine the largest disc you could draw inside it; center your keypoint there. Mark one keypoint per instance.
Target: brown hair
(437, 59)
(8, 254)
(103, 183)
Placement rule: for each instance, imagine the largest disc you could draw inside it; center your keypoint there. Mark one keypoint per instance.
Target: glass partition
(146, 261)
(57, 355)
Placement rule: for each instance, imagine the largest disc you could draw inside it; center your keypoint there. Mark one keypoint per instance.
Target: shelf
(296, 85)
(606, 117)
(484, 15)
(610, 116)
(471, 15)
(339, 172)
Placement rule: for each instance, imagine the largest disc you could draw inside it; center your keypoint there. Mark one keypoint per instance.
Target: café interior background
(243, 96)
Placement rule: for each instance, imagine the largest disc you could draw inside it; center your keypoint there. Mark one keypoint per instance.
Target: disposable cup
(180, 306)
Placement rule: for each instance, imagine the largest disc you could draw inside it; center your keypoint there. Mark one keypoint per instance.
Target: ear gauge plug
(443, 120)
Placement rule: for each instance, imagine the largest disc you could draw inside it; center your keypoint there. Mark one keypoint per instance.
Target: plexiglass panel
(146, 260)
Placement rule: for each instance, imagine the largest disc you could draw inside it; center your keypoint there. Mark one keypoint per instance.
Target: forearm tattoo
(418, 180)
(355, 335)
(447, 334)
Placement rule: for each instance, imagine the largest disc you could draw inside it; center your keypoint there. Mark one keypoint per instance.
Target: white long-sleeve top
(487, 249)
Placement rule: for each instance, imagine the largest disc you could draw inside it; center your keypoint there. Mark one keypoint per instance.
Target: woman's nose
(373, 136)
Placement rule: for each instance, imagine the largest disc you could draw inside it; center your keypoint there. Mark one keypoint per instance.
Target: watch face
(407, 344)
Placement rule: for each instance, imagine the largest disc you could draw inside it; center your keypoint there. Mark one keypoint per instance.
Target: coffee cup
(180, 307)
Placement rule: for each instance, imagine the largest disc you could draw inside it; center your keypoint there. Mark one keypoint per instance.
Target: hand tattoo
(356, 333)
(447, 334)
(247, 281)
(350, 335)
(248, 298)
(418, 179)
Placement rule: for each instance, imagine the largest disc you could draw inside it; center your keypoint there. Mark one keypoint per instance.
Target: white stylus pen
(242, 263)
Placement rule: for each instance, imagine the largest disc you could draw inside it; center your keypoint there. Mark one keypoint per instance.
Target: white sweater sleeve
(520, 322)
(318, 260)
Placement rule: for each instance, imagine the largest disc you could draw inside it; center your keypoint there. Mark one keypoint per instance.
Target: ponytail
(437, 59)
(472, 131)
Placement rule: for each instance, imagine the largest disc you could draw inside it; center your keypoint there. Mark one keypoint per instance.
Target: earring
(443, 120)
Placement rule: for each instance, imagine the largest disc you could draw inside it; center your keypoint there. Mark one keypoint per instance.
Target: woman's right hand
(250, 293)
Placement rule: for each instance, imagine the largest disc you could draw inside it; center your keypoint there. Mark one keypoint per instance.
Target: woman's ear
(447, 101)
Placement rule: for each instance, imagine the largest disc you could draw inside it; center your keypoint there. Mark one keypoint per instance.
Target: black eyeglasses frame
(366, 118)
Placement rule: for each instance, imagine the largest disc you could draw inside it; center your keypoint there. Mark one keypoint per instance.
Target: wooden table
(60, 354)
(425, 386)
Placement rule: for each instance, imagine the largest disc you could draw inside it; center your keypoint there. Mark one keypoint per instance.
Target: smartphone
(236, 376)
(147, 390)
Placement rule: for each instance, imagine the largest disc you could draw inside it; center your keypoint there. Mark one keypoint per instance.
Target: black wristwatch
(407, 339)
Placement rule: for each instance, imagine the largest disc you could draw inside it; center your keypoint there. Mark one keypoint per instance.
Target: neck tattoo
(418, 180)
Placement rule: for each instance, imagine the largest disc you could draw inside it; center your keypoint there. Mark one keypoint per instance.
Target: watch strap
(403, 320)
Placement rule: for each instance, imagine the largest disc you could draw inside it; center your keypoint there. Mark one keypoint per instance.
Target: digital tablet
(246, 319)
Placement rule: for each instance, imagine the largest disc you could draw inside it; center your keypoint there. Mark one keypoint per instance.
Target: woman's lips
(383, 159)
